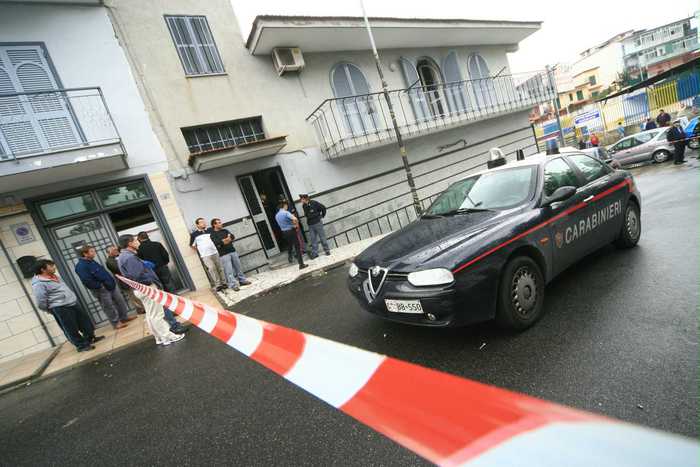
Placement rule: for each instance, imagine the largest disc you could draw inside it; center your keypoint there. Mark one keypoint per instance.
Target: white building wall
(85, 53)
(609, 61)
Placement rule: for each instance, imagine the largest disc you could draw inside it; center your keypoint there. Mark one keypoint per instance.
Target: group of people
(291, 229)
(136, 258)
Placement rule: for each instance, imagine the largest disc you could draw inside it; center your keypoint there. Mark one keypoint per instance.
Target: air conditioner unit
(287, 59)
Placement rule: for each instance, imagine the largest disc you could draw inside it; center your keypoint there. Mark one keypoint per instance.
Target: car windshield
(499, 189)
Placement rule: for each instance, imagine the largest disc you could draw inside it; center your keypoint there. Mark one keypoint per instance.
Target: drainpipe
(20, 279)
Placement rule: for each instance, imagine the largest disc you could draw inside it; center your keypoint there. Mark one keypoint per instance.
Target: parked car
(692, 131)
(650, 145)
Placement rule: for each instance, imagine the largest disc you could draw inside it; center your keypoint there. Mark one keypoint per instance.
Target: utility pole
(399, 139)
(550, 77)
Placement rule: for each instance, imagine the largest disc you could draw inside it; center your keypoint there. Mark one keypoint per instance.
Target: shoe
(220, 288)
(120, 325)
(86, 348)
(96, 339)
(179, 337)
(236, 289)
(312, 256)
(328, 253)
(245, 282)
(140, 312)
(128, 318)
(290, 260)
(303, 266)
(179, 329)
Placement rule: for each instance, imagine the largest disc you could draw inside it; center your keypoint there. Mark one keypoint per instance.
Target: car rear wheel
(521, 294)
(632, 227)
(661, 156)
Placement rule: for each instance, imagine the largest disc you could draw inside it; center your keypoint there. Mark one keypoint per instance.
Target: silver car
(650, 145)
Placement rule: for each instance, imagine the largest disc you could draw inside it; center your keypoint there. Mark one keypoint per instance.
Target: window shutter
(456, 93)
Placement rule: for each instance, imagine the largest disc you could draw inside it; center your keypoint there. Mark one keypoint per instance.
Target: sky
(568, 27)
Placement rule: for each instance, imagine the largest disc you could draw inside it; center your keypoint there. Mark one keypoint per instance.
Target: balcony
(56, 135)
(357, 123)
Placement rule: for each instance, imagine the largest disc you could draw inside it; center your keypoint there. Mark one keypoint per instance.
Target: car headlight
(353, 271)
(431, 277)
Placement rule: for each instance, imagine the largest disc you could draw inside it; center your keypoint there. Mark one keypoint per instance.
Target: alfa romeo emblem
(376, 270)
(373, 284)
(559, 239)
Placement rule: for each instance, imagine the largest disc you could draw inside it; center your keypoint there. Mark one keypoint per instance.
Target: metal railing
(348, 124)
(42, 122)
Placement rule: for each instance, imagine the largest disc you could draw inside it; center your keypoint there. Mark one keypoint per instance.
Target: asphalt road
(619, 337)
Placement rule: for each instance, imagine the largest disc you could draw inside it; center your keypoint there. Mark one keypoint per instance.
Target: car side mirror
(560, 194)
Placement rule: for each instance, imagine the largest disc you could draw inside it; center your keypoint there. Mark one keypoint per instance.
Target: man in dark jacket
(650, 124)
(315, 212)
(676, 136)
(663, 118)
(103, 287)
(156, 253)
(223, 240)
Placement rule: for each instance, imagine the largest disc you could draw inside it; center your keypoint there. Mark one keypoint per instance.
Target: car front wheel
(661, 156)
(632, 227)
(694, 143)
(521, 294)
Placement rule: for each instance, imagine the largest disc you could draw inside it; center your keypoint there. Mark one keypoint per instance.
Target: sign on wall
(589, 119)
(23, 233)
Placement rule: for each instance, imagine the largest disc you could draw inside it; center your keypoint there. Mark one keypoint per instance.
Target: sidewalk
(271, 280)
(52, 361)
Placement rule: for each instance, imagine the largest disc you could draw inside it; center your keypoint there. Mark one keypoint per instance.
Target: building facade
(79, 160)
(251, 135)
(652, 51)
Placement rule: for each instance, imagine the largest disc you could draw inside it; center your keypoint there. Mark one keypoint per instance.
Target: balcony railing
(43, 122)
(351, 124)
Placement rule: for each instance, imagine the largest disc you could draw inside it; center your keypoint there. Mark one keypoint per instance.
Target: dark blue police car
(490, 243)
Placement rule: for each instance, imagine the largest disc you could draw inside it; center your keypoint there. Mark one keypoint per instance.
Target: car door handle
(590, 198)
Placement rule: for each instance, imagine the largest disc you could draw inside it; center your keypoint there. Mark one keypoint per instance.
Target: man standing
(156, 253)
(223, 240)
(113, 266)
(103, 287)
(289, 225)
(55, 297)
(132, 267)
(620, 130)
(676, 136)
(650, 124)
(200, 241)
(315, 212)
(594, 140)
(663, 118)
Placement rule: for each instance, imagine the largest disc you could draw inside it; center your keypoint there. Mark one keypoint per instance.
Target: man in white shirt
(201, 242)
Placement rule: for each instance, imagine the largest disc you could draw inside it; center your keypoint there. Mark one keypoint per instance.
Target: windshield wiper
(464, 211)
(431, 216)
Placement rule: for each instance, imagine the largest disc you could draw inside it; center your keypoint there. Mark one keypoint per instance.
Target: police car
(490, 242)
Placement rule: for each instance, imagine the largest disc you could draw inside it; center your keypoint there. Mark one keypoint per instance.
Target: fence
(346, 124)
(630, 109)
(47, 121)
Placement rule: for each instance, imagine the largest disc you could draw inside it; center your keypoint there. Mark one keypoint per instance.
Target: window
(589, 167)
(579, 95)
(594, 94)
(557, 174)
(571, 97)
(122, 193)
(195, 45)
(223, 135)
(430, 80)
(500, 189)
(359, 113)
(591, 80)
(78, 204)
(558, 103)
(456, 89)
(484, 88)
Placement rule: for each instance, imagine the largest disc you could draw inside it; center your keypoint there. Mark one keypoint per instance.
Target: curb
(300, 277)
(7, 387)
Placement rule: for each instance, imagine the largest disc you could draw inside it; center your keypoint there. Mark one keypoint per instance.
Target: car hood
(427, 240)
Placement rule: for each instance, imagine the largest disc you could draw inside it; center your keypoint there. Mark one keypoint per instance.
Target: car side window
(589, 167)
(557, 173)
(624, 144)
(643, 138)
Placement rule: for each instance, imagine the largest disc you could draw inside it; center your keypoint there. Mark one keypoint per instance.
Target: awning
(344, 33)
(660, 77)
(216, 158)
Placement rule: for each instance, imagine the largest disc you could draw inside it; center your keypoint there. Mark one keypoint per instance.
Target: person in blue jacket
(103, 286)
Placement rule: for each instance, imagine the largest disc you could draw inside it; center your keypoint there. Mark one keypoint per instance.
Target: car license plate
(404, 306)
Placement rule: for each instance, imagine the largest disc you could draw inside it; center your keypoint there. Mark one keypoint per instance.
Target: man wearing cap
(676, 136)
(315, 212)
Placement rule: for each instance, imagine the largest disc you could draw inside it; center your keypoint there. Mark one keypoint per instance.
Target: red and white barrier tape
(444, 418)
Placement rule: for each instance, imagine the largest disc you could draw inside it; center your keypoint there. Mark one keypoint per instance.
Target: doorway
(431, 81)
(262, 191)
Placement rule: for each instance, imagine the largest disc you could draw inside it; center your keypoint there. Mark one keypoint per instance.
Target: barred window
(195, 45)
(223, 135)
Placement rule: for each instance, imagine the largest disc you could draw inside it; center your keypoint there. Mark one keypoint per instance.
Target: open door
(259, 215)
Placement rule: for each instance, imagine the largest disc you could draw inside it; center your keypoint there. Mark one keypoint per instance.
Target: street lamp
(399, 139)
